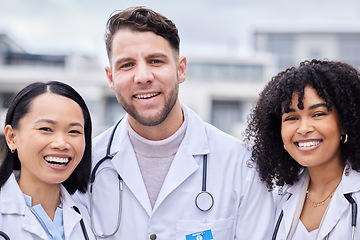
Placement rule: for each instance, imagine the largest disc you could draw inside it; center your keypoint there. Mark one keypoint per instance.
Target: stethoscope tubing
(109, 156)
(353, 217)
(4, 235)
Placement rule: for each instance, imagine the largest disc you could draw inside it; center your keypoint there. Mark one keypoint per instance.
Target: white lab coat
(18, 222)
(337, 221)
(243, 207)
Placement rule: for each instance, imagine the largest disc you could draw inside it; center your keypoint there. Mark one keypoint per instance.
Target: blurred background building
(233, 49)
(221, 90)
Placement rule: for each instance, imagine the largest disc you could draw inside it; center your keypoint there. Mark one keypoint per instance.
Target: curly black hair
(337, 83)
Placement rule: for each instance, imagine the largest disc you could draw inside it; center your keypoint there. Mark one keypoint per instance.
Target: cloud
(204, 25)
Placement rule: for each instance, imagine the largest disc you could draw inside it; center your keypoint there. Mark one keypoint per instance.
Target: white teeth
(147, 95)
(308, 144)
(57, 160)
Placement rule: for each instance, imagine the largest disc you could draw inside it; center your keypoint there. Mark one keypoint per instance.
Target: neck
(45, 194)
(323, 179)
(164, 130)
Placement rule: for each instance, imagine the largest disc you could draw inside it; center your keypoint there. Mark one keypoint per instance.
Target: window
(349, 49)
(233, 72)
(226, 114)
(282, 45)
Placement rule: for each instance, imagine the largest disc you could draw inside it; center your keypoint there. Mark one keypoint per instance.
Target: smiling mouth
(308, 144)
(145, 96)
(58, 161)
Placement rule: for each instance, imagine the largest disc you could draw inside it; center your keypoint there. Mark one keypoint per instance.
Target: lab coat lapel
(195, 143)
(181, 168)
(127, 166)
(11, 198)
(339, 204)
(289, 204)
(12, 202)
(335, 211)
(70, 217)
(32, 225)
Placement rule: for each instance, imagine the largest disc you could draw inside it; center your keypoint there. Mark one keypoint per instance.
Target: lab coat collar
(350, 183)
(291, 193)
(125, 160)
(70, 216)
(13, 202)
(184, 163)
(10, 204)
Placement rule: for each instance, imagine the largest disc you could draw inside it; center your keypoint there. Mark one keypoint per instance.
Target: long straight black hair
(20, 106)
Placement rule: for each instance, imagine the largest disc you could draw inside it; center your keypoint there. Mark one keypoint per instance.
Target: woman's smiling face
(311, 135)
(49, 140)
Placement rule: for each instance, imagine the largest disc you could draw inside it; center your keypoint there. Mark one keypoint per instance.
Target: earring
(344, 138)
(12, 150)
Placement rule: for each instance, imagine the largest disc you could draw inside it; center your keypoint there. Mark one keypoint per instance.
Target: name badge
(203, 235)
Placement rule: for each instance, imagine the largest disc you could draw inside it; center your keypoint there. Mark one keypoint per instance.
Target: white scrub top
(18, 222)
(243, 207)
(337, 221)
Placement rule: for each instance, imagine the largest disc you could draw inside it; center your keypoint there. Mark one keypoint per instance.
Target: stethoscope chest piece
(204, 201)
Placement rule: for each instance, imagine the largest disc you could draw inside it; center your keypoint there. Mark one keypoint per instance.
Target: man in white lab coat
(164, 153)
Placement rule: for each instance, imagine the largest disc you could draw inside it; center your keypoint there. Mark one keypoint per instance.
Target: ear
(109, 77)
(10, 136)
(181, 69)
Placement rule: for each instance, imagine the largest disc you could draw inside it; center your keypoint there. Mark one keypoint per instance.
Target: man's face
(145, 74)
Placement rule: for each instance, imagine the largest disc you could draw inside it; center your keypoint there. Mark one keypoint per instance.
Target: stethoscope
(83, 228)
(4, 235)
(204, 201)
(353, 216)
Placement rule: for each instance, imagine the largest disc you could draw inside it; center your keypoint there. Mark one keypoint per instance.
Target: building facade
(220, 90)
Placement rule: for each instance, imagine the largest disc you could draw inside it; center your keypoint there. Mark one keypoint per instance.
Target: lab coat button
(153, 236)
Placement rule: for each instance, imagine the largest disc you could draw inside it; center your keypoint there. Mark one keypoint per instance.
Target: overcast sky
(205, 26)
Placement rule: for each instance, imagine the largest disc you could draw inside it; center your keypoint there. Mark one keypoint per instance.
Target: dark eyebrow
(121, 60)
(318, 105)
(53, 122)
(310, 108)
(290, 110)
(45, 120)
(76, 124)
(157, 55)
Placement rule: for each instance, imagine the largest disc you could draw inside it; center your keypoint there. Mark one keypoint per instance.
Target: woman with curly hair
(305, 132)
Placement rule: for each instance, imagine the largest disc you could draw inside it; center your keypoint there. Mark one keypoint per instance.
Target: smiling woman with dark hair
(305, 134)
(46, 157)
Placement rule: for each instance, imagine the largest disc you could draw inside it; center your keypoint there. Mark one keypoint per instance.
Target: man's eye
(155, 61)
(127, 65)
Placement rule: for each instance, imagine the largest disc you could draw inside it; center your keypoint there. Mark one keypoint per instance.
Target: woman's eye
(290, 119)
(319, 114)
(46, 129)
(75, 132)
